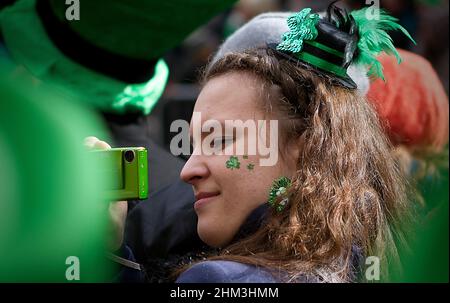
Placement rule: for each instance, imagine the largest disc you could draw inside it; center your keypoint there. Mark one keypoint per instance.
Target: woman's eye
(221, 142)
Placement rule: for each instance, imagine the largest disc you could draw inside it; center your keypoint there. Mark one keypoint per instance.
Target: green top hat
(111, 55)
(332, 43)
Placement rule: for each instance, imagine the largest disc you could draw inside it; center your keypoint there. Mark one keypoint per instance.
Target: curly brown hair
(347, 191)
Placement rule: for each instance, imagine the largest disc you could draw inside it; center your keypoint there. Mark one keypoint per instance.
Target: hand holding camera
(117, 211)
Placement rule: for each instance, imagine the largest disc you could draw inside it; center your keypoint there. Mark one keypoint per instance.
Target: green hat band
(323, 57)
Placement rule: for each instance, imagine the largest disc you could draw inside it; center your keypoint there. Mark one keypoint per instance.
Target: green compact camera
(126, 171)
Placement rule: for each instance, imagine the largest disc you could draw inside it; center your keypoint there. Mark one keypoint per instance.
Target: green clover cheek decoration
(302, 26)
(233, 163)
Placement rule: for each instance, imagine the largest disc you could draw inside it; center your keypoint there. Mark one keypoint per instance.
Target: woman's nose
(194, 170)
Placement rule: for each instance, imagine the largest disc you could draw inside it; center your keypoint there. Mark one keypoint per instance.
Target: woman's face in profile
(229, 186)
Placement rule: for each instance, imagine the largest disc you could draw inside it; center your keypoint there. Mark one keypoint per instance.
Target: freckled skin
(240, 190)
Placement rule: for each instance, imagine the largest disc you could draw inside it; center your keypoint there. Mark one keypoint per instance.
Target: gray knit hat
(269, 28)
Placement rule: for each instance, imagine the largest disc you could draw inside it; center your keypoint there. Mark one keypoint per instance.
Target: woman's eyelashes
(218, 143)
(221, 142)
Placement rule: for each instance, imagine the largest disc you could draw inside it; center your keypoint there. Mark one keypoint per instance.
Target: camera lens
(129, 156)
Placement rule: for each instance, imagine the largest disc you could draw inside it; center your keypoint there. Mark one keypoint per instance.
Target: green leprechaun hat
(330, 44)
(111, 55)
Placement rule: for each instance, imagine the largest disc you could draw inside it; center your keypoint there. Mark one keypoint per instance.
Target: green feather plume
(373, 38)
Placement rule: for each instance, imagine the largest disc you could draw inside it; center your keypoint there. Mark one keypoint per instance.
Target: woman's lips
(202, 198)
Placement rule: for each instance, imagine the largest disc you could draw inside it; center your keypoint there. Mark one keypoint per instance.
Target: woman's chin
(211, 236)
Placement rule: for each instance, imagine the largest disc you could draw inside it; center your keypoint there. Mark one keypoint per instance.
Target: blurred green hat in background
(51, 207)
(112, 54)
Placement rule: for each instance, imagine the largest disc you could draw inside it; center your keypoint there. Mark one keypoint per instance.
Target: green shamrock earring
(278, 191)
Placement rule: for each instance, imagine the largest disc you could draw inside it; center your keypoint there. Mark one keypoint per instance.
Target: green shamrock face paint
(250, 166)
(233, 162)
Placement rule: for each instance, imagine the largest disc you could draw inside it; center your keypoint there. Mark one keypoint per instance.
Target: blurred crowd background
(426, 20)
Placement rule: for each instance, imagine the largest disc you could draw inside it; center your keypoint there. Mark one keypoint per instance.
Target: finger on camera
(101, 145)
(90, 141)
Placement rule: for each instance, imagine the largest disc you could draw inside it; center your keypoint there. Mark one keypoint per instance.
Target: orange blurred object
(412, 102)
